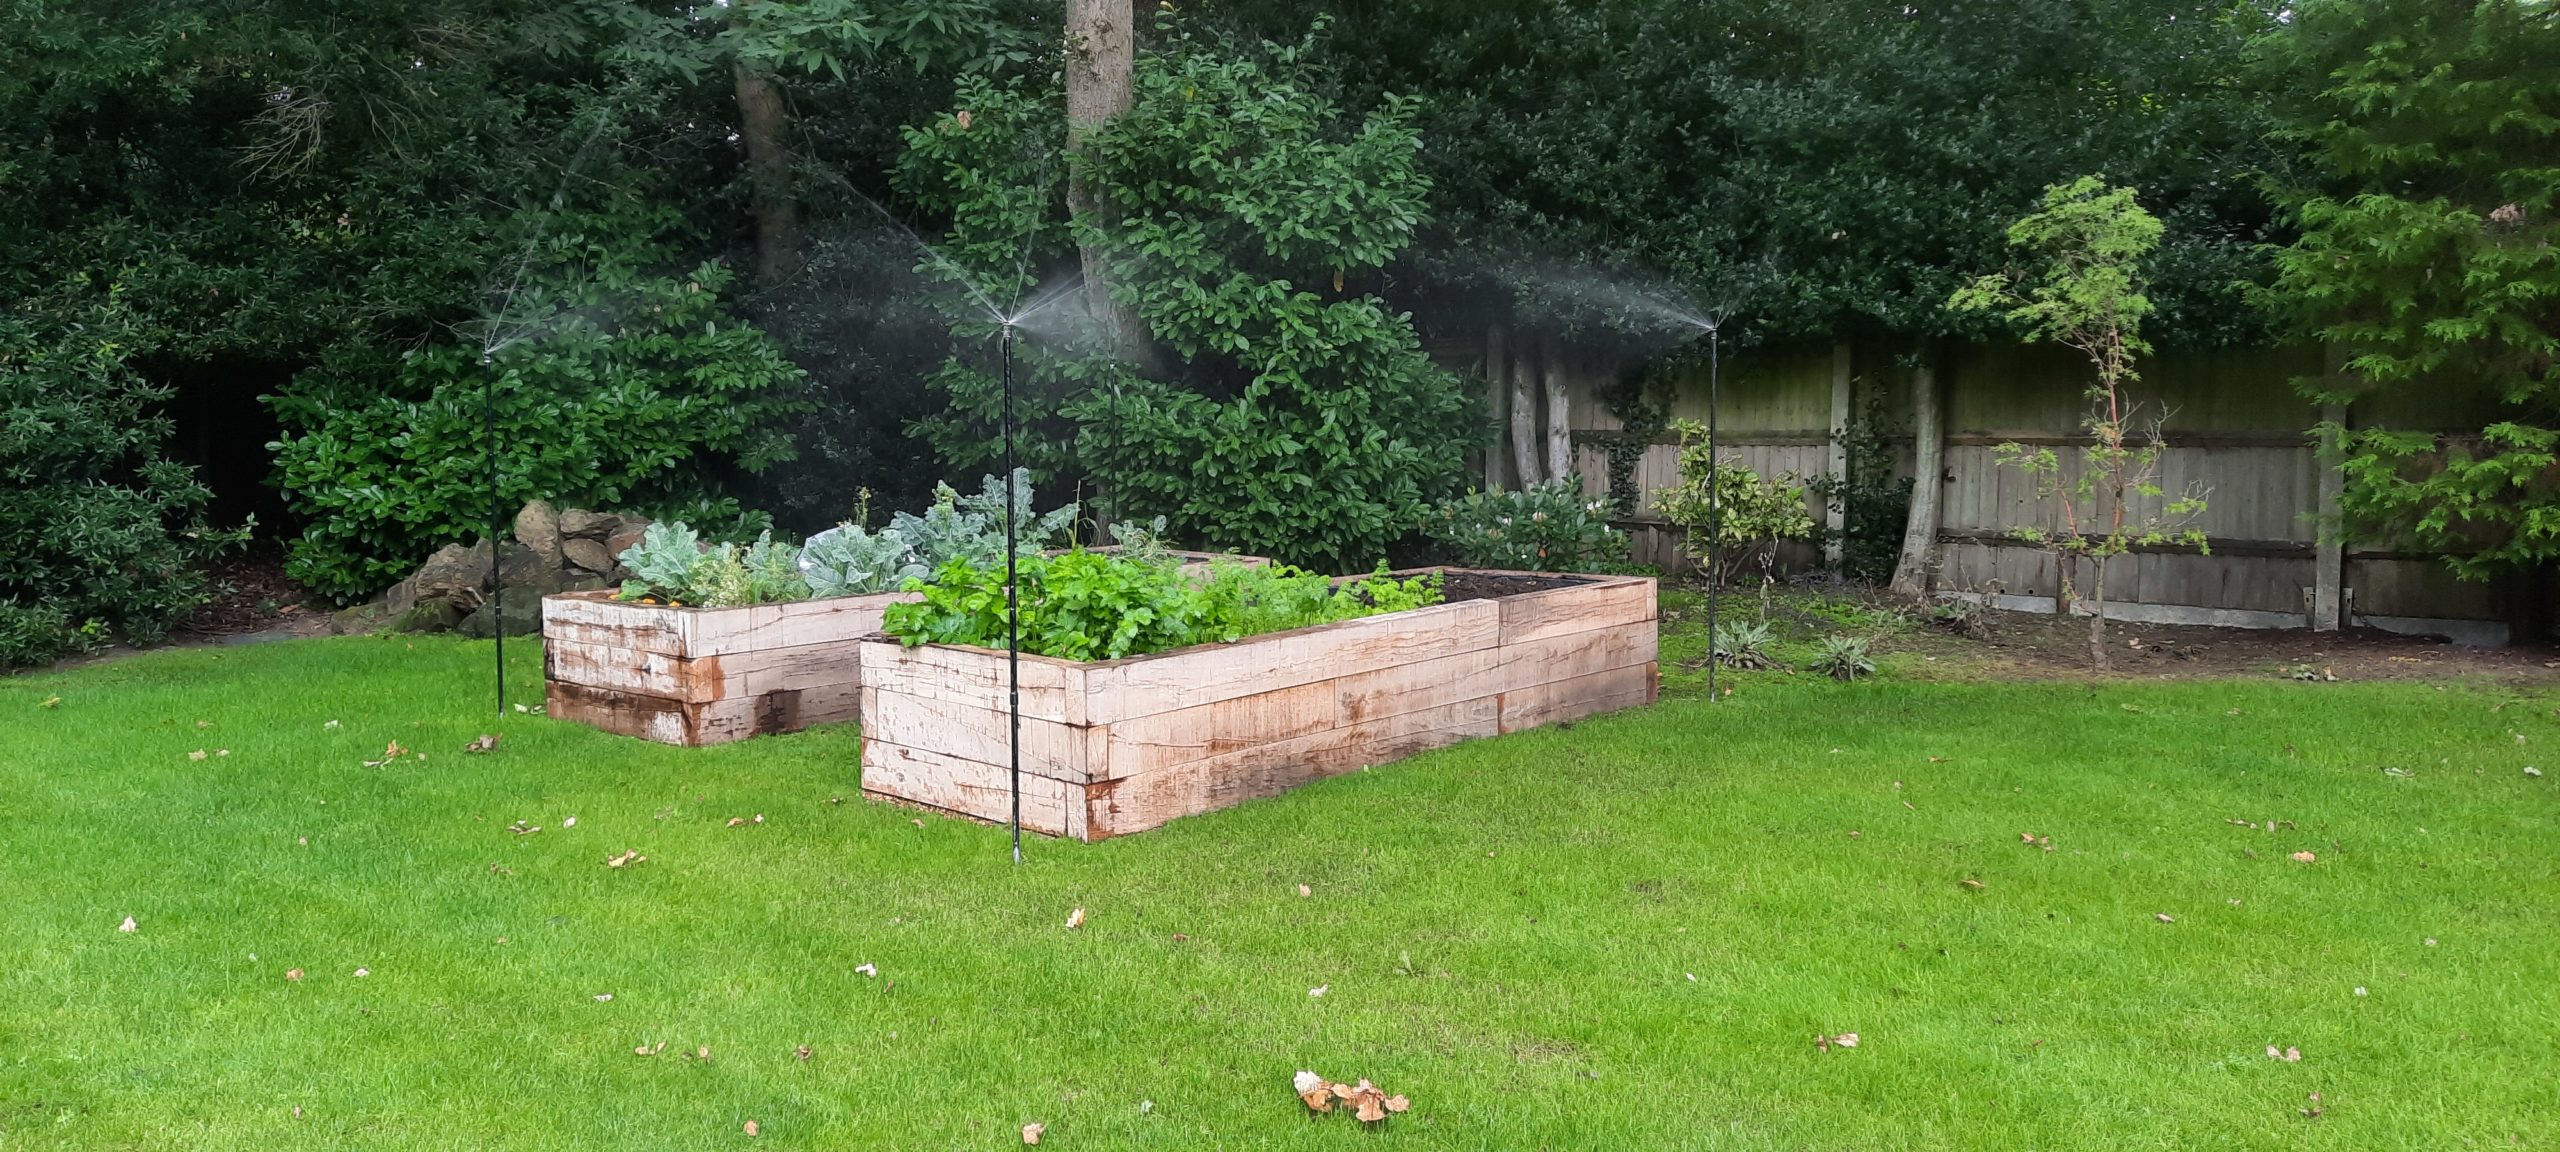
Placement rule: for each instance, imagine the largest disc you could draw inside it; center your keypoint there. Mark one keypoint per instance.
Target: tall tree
(1101, 51)
(2430, 258)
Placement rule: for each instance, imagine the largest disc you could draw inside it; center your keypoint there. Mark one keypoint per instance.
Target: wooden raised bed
(1121, 746)
(711, 675)
(706, 675)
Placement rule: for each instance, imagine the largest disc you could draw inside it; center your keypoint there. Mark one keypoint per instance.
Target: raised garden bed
(711, 675)
(1120, 746)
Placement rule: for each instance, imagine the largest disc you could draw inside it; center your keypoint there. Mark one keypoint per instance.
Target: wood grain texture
(968, 787)
(1135, 804)
(978, 729)
(1121, 689)
(706, 675)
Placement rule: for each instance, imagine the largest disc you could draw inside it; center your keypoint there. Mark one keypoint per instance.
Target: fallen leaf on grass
(802, 1052)
(1825, 1043)
(1318, 991)
(604, 997)
(201, 725)
(867, 969)
(198, 754)
(752, 1128)
(2304, 857)
(390, 752)
(1304, 891)
(329, 725)
(629, 856)
(293, 974)
(2532, 771)
(2164, 917)
(1969, 882)
(486, 743)
(1075, 919)
(917, 823)
(127, 926)
(363, 972)
(51, 702)
(645, 1050)
(1031, 1132)
(2288, 1055)
(570, 822)
(1369, 1103)
(2044, 842)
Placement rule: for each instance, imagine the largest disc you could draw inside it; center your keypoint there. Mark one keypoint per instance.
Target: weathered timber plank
(1141, 686)
(1147, 743)
(785, 710)
(1534, 615)
(720, 631)
(971, 788)
(645, 717)
(707, 679)
(1493, 671)
(968, 730)
(597, 618)
(1578, 697)
(1052, 690)
(1135, 804)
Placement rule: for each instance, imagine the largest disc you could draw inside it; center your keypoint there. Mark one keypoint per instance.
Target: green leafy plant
(671, 566)
(1742, 644)
(98, 531)
(2088, 295)
(1084, 605)
(1746, 518)
(2429, 213)
(1874, 504)
(612, 383)
(850, 560)
(1550, 527)
(1842, 658)
(971, 528)
(1247, 221)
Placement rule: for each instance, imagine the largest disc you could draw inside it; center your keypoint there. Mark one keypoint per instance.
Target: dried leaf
(521, 828)
(1075, 919)
(51, 702)
(1318, 991)
(751, 1128)
(1399, 1104)
(1369, 1107)
(2164, 917)
(127, 926)
(1304, 891)
(569, 822)
(486, 743)
(1976, 885)
(198, 754)
(2304, 857)
(867, 969)
(802, 1052)
(604, 997)
(293, 974)
(1031, 1132)
(734, 821)
(1846, 1039)
(363, 972)
(629, 856)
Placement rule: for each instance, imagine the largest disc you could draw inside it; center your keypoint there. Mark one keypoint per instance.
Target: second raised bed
(1120, 746)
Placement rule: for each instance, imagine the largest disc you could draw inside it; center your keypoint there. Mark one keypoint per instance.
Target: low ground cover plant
(1101, 606)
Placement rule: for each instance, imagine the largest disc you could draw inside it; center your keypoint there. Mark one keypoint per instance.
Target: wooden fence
(2235, 426)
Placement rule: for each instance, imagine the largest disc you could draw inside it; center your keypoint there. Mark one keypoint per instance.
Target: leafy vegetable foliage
(1102, 606)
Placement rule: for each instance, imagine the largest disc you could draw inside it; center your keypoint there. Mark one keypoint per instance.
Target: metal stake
(497, 512)
(1012, 594)
(1715, 510)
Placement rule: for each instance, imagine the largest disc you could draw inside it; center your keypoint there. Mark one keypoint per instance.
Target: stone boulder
(538, 528)
(555, 551)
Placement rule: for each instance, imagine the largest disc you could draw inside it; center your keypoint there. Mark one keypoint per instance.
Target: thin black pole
(1012, 597)
(497, 511)
(1715, 510)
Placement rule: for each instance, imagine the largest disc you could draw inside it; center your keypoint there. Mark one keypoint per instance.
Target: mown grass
(1621, 935)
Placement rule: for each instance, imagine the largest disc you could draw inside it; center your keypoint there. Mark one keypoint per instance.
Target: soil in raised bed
(1457, 586)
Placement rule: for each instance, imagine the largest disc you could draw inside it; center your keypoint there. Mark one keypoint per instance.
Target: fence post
(1835, 511)
(2329, 556)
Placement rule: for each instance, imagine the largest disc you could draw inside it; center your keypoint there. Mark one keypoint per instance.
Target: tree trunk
(1497, 387)
(1524, 413)
(1559, 411)
(1100, 64)
(761, 124)
(1928, 429)
(2098, 614)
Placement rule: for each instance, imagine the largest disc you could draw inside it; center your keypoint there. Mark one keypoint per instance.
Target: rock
(402, 596)
(530, 575)
(428, 616)
(521, 618)
(361, 620)
(626, 536)
(587, 554)
(580, 524)
(538, 528)
(453, 571)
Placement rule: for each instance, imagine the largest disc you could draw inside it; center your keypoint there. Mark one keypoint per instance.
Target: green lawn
(1621, 935)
